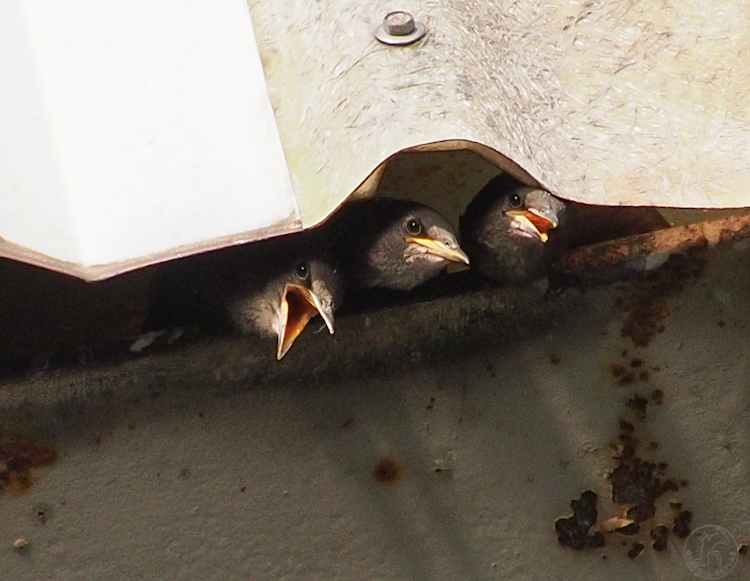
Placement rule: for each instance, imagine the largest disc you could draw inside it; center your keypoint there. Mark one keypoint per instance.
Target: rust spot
(646, 301)
(721, 323)
(573, 531)
(637, 485)
(617, 370)
(268, 57)
(630, 530)
(657, 396)
(636, 551)
(668, 486)
(554, 360)
(387, 471)
(659, 535)
(19, 460)
(624, 376)
(243, 489)
(627, 379)
(682, 524)
(638, 404)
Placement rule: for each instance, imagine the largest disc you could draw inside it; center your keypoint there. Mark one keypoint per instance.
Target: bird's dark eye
(413, 226)
(301, 271)
(515, 201)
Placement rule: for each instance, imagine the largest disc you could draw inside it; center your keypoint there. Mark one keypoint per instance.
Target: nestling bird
(506, 228)
(513, 232)
(273, 288)
(395, 244)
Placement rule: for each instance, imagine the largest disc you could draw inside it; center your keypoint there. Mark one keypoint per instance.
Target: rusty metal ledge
(442, 323)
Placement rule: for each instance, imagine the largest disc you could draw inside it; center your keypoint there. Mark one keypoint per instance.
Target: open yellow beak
(441, 249)
(298, 306)
(535, 222)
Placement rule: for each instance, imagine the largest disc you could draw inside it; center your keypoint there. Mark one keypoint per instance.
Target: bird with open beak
(506, 230)
(513, 232)
(272, 288)
(395, 244)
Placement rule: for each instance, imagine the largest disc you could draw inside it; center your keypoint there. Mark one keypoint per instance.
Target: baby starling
(396, 244)
(506, 228)
(273, 287)
(513, 232)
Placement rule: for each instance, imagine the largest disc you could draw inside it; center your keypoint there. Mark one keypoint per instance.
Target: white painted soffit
(132, 132)
(135, 132)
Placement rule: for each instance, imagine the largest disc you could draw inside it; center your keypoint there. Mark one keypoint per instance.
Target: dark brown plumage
(513, 232)
(382, 242)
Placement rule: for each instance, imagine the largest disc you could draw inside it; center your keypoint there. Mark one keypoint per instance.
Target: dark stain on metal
(627, 379)
(657, 396)
(573, 531)
(681, 525)
(617, 370)
(430, 405)
(624, 376)
(721, 323)
(387, 471)
(646, 301)
(18, 462)
(637, 485)
(554, 360)
(347, 424)
(636, 551)
(43, 512)
(659, 536)
(639, 404)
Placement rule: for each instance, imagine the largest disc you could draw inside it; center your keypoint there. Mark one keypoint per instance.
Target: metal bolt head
(399, 28)
(399, 23)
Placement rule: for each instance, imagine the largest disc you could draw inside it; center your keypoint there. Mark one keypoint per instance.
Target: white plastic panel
(132, 128)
